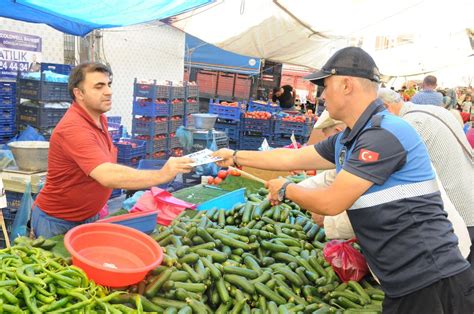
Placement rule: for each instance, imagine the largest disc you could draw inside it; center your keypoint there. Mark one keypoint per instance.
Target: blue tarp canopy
(200, 54)
(81, 17)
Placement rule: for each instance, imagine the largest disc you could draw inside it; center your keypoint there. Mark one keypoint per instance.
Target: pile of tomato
(261, 115)
(221, 175)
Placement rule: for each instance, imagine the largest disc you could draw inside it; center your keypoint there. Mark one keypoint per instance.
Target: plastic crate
(13, 200)
(226, 201)
(289, 127)
(158, 155)
(6, 138)
(9, 217)
(42, 90)
(114, 119)
(177, 109)
(174, 125)
(149, 127)
(38, 116)
(232, 129)
(192, 91)
(174, 142)
(115, 193)
(176, 152)
(255, 106)
(191, 107)
(152, 91)
(263, 126)
(7, 114)
(115, 134)
(177, 91)
(281, 141)
(7, 101)
(250, 142)
(7, 128)
(144, 107)
(127, 152)
(225, 112)
(8, 88)
(157, 145)
(130, 162)
(234, 144)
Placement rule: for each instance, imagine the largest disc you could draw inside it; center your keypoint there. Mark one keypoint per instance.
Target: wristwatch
(282, 191)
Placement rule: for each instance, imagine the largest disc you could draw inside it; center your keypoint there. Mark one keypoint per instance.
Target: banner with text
(19, 52)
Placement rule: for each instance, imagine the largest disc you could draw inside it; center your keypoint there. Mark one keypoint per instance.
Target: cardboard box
(265, 174)
(16, 182)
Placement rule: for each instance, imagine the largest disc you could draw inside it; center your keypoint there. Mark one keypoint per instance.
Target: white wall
(52, 40)
(148, 51)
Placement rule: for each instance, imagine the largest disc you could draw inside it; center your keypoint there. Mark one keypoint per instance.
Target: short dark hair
(430, 80)
(276, 89)
(78, 74)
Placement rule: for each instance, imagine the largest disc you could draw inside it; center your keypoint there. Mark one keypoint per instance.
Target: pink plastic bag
(347, 262)
(104, 211)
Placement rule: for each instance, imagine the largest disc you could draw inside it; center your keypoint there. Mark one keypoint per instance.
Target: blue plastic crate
(141, 221)
(156, 145)
(191, 107)
(174, 142)
(7, 114)
(174, 125)
(289, 127)
(145, 107)
(152, 91)
(133, 162)
(43, 90)
(177, 109)
(127, 152)
(226, 201)
(7, 88)
(151, 127)
(225, 112)
(13, 200)
(255, 106)
(232, 129)
(8, 100)
(38, 116)
(281, 141)
(114, 119)
(264, 126)
(7, 128)
(192, 91)
(64, 69)
(178, 92)
(250, 142)
(9, 217)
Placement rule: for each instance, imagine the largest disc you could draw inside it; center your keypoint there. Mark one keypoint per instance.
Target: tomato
(311, 172)
(210, 180)
(234, 173)
(222, 174)
(217, 180)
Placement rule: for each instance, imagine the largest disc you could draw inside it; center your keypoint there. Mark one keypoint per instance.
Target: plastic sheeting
(81, 17)
(404, 37)
(206, 56)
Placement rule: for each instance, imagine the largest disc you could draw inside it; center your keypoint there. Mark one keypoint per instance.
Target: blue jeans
(48, 226)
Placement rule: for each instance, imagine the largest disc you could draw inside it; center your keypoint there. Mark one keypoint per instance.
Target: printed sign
(19, 53)
(202, 157)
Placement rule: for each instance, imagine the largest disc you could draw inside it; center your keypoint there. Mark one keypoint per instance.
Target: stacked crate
(255, 127)
(229, 120)
(283, 130)
(115, 127)
(45, 100)
(191, 102)
(7, 111)
(158, 111)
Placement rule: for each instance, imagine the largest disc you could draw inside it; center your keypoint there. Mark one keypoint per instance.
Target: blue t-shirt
(427, 97)
(400, 222)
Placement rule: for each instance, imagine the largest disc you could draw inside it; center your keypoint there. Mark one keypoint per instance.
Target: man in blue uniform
(386, 183)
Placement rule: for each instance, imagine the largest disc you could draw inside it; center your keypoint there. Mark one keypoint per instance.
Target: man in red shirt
(82, 169)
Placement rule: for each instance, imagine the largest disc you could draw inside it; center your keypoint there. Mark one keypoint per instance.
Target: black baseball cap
(349, 61)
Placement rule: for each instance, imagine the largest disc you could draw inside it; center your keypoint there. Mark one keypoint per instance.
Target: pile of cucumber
(254, 258)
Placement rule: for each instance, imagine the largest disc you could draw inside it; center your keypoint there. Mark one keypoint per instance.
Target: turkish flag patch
(366, 155)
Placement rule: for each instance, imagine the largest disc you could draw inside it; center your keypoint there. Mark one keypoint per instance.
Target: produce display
(263, 115)
(254, 258)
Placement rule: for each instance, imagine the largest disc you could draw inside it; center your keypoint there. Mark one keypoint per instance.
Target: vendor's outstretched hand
(226, 155)
(176, 165)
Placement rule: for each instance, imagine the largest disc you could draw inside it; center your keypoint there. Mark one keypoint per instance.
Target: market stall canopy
(405, 36)
(206, 56)
(81, 17)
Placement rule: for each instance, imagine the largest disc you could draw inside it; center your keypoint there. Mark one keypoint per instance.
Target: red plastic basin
(112, 255)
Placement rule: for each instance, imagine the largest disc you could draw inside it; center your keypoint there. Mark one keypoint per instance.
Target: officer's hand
(274, 187)
(226, 155)
(176, 165)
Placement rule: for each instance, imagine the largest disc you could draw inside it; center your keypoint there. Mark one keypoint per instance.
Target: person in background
(467, 105)
(428, 96)
(35, 66)
(82, 169)
(442, 133)
(285, 95)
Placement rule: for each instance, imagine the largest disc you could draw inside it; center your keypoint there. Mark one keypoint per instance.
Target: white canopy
(405, 37)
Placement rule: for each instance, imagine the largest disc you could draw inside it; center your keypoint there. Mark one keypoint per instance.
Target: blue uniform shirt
(400, 222)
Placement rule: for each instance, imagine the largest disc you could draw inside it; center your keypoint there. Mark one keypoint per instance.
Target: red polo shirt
(77, 147)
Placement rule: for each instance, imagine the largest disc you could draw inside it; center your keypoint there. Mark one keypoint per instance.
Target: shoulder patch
(366, 155)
